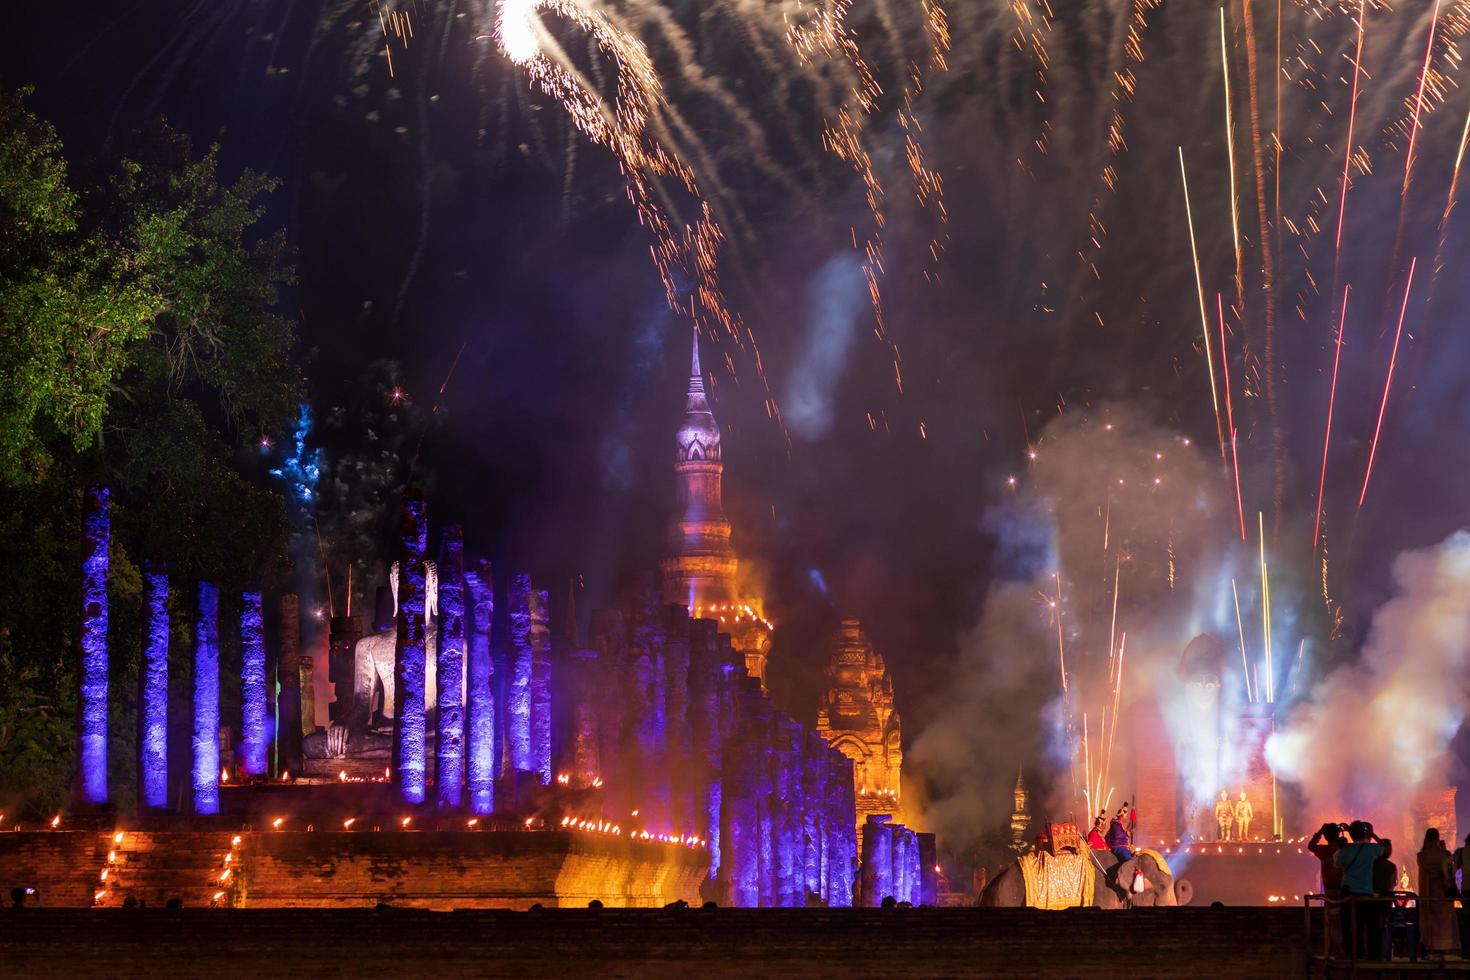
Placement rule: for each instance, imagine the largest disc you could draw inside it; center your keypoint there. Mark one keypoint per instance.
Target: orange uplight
(347, 824)
(56, 821)
(224, 775)
(276, 823)
(473, 822)
(116, 838)
(405, 822)
(235, 841)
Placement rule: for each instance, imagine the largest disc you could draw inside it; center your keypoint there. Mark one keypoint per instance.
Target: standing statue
(1224, 815)
(1244, 813)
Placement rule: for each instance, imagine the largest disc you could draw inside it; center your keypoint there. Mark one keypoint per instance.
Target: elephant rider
(1244, 813)
(1117, 839)
(1095, 836)
(1224, 814)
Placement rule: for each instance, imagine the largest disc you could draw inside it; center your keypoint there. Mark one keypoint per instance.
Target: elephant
(1136, 883)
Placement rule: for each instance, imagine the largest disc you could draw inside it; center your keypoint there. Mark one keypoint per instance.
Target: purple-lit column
(540, 639)
(928, 870)
(480, 689)
(519, 721)
(153, 688)
(449, 669)
(253, 734)
(410, 751)
(92, 734)
(206, 701)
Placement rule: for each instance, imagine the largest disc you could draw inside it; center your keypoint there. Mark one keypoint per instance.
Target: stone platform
(436, 869)
(875, 944)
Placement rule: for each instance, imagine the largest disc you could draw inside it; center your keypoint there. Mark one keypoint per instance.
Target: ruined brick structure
(657, 731)
(856, 717)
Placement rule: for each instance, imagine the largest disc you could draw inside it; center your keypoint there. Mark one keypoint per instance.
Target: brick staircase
(188, 868)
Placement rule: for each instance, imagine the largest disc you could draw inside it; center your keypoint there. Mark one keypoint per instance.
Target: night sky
(450, 207)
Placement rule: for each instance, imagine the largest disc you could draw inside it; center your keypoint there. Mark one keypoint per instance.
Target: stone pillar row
(677, 731)
(897, 863)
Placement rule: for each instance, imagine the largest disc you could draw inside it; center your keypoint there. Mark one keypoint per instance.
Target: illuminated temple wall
(688, 739)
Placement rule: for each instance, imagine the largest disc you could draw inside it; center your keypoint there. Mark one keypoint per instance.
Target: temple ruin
(467, 763)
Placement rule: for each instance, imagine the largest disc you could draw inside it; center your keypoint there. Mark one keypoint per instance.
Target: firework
(1240, 631)
(1230, 416)
(1204, 319)
(1327, 436)
(1387, 384)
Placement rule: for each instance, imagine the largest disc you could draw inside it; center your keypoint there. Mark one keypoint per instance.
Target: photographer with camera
(1356, 859)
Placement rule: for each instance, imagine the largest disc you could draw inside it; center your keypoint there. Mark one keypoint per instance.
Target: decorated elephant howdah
(1091, 878)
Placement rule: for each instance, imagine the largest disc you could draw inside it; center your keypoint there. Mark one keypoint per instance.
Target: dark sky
(451, 207)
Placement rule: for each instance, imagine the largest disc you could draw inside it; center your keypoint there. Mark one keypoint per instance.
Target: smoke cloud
(1109, 496)
(836, 298)
(1374, 733)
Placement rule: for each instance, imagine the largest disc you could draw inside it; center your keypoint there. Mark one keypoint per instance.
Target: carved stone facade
(701, 570)
(857, 718)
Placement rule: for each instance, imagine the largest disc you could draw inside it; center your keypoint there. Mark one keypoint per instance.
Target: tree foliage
(140, 347)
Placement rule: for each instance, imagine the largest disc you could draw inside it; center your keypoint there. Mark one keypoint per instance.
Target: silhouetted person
(1438, 930)
(1356, 861)
(1324, 845)
(17, 898)
(596, 903)
(711, 904)
(889, 902)
(174, 904)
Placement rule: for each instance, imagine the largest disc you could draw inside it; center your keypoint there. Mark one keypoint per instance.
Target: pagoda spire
(697, 402)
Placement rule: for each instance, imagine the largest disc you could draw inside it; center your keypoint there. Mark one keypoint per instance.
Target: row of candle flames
(595, 825)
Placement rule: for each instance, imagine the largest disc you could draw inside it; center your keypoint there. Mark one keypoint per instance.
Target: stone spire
(699, 567)
(1020, 816)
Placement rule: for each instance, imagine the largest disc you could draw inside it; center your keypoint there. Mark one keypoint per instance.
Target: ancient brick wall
(437, 870)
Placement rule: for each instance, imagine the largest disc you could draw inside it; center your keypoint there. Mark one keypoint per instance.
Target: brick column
(253, 731)
(92, 716)
(153, 692)
(293, 696)
(449, 672)
(410, 758)
(206, 701)
(480, 689)
(539, 637)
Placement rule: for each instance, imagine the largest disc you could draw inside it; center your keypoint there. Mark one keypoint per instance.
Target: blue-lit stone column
(540, 639)
(480, 689)
(254, 736)
(153, 685)
(410, 751)
(206, 701)
(450, 670)
(520, 674)
(92, 733)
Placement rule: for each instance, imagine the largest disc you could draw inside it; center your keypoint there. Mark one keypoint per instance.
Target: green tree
(140, 347)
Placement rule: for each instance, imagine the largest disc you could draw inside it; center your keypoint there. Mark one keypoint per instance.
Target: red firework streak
(1230, 415)
(1327, 439)
(1387, 383)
